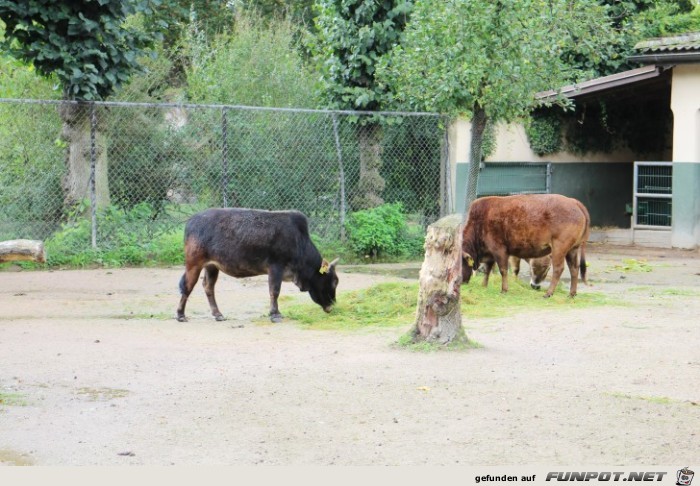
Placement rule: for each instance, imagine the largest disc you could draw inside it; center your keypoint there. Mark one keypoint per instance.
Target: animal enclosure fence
(151, 166)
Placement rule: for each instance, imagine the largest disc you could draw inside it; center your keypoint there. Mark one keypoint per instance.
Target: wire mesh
(148, 167)
(653, 194)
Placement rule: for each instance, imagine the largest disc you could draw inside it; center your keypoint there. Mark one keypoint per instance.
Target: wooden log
(22, 250)
(438, 313)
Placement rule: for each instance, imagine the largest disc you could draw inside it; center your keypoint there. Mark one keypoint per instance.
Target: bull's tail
(582, 263)
(584, 239)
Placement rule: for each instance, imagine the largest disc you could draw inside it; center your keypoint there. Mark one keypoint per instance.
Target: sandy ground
(95, 371)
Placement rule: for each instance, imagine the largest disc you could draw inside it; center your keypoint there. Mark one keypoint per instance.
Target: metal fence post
(446, 203)
(341, 177)
(224, 156)
(93, 164)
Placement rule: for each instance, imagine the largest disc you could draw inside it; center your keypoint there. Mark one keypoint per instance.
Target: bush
(125, 238)
(382, 231)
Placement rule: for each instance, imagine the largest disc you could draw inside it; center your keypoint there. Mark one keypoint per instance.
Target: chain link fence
(151, 166)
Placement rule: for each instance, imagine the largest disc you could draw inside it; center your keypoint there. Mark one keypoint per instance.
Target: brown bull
(526, 226)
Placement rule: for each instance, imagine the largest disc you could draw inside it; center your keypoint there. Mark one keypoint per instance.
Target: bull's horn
(333, 263)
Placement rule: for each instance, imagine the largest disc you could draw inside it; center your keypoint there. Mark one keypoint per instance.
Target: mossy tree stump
(22, 250)
(438, 314)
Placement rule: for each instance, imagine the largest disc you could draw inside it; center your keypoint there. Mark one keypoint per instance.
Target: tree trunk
(479, 120)
(371, 184)
(438, 314)
(22, 250)
(76, 133)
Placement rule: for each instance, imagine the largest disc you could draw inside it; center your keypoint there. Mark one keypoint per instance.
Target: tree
(256, 64)
(630, 21)
(613, 121)
(487, 60)
(351, 37)
(88, 47)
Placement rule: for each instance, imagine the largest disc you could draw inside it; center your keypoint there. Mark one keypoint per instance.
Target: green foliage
(609, 123)
(487, 59)
(631, 21)
(382, 231)
(351, 36)
(544, 132)
(85, 44)
(173, 17)
(458, 55)
(126, 238)
(257, 64)
(31, 156)
(149, 158)
(17, 80)
(411, 164)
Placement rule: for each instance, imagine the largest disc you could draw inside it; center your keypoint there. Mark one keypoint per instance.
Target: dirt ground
(95, 371)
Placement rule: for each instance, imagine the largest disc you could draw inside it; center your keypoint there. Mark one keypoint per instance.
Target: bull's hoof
(572, 295)
(219, 318)
(276, 318)
(547, 295)
(181, 318)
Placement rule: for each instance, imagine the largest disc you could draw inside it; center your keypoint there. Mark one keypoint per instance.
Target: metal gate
(502, 179)
(652, 195)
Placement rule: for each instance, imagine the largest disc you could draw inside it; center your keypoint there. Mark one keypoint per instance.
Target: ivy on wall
(544, 132)
(643, 124)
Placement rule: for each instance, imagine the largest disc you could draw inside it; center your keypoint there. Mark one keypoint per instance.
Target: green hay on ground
(389, 305)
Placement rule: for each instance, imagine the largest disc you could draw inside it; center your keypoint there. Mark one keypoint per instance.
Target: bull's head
(539, 267)
(322, 288)
(468, 267)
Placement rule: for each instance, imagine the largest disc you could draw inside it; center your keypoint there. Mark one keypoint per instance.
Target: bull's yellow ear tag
(324, 267)
(470, 262)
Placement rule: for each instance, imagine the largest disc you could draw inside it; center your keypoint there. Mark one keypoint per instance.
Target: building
(649, 198)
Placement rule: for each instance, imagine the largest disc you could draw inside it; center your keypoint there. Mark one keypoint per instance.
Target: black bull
(248, 242)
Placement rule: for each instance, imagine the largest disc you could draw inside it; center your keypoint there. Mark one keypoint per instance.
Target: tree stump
(438, 314)
(22, 250)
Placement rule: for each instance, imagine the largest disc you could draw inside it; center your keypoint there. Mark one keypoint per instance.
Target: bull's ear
(325, 266)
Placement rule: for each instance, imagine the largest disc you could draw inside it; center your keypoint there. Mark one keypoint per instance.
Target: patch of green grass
(680, 292)
(160, 316)
(394, 304)
(382, 305)
(410, 270)
(640, 289)
(657, 400)
(632, 265)
(12, 399)
(406, 342)
(480, 302)
(101, 394)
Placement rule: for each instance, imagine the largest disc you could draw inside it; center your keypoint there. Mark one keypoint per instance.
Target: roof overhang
(674, 49)
(606, 83)
(666, 58)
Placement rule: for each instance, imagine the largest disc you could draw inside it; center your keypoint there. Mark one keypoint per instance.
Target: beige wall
(512, 146)
(685, 103)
